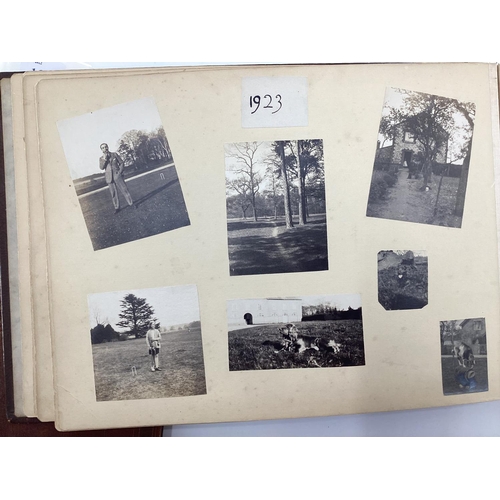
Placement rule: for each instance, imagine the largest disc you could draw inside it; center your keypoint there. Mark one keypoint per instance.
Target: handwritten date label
(274, 102)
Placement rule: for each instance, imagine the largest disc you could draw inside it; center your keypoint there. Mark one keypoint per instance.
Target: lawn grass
(450, 384)
(268, 247)
(181, 361)
(406, 201)
(246, 351)
(447, 199)
(160, 208)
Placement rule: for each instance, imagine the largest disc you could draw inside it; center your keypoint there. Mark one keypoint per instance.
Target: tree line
(326, 312)
(140, 149)
(136, 315)
(290, 176)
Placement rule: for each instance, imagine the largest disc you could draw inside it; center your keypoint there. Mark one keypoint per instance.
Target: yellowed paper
(15, 323)
(23, 250)
(201, 113)
(36, 231)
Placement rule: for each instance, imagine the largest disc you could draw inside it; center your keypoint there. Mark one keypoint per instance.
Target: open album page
(269, 242)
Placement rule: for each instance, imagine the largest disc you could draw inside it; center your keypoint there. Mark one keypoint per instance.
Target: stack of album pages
(194, 245)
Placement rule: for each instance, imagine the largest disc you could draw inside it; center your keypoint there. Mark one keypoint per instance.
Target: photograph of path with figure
(124, 174)
(276, 207)
(422, 160)
(147, 344)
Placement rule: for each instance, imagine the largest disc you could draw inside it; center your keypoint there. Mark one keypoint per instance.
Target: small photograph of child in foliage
(402, 279)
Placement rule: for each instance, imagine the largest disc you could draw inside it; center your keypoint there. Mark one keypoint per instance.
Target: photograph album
(234, 243)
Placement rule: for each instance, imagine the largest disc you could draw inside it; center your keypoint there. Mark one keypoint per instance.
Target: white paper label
(274, 102)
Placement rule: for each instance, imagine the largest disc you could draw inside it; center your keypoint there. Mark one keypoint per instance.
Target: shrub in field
(101, 334)
(381, 182)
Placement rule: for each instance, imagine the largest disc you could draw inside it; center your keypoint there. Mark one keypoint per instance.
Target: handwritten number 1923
(256, 101)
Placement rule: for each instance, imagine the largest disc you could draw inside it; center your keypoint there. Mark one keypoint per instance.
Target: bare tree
(246, 168)
(242, 199)
(98, 317)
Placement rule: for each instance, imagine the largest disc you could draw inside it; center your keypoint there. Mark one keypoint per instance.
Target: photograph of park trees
(276, 207)
(135, 133)
(422, 159)
(119, 322)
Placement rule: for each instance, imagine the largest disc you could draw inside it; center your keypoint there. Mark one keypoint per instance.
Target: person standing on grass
(113, 165)
(153, 339)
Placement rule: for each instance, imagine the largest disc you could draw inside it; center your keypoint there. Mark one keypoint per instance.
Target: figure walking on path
(412, 170)
(113, 165)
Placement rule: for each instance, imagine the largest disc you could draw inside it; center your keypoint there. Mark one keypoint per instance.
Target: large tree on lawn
(310, 161)
(136, 315)
(429, 119)
(284, 165)
(437, 124)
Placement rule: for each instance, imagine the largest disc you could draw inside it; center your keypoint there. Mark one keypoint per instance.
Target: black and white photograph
(422, 159)
(464, 356)
(276, 207)
(323, 331)
(403, 279)
(147, 344)
(123, 172)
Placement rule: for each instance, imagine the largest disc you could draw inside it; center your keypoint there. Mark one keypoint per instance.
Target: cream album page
(269, 242)
(44, 386)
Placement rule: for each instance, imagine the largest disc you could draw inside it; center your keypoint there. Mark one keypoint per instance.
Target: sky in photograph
(416, 253)
(260, 166)
(82, 136)
(394, 99)
(172, 305)
(341, 302)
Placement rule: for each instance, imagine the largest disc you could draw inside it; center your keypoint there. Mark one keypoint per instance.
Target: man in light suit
(112, 164)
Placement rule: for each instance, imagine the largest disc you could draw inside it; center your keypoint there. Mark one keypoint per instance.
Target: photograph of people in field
(464, 356)
(403, 279)
(302, 332)
(147, 344)
(422, 160)
(276, 207)
(123, 172)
